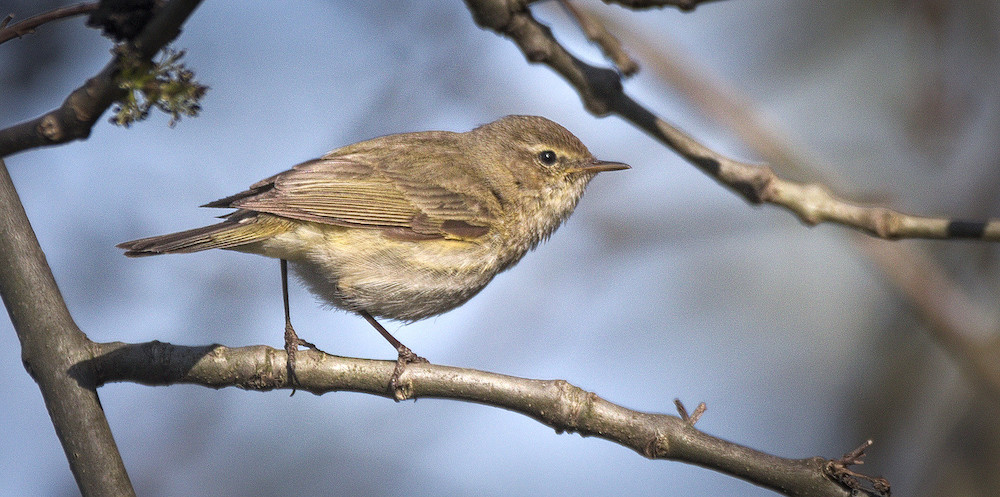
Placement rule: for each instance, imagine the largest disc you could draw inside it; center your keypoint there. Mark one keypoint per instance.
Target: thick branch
(84, 106)
(602, 94)
(54, 350)
(555, 403)
(51, 344)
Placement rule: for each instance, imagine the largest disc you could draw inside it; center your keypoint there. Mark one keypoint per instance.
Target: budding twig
(74, 119)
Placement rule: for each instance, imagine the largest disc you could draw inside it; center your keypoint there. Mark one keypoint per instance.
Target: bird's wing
(347, 192)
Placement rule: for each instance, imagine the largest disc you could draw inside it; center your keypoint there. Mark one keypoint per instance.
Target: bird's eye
(547, 157)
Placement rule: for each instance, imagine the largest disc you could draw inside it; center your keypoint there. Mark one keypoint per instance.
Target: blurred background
(662, 285)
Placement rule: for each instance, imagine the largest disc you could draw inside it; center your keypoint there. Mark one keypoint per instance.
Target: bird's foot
(292, 344)
(406, 356)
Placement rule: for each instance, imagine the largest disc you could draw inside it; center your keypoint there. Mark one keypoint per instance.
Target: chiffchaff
(404, 226)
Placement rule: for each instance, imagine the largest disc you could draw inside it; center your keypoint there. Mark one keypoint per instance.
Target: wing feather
(346, 191)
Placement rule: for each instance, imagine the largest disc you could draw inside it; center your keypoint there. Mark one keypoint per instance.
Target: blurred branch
(84, 106)
(958, 325)
(602, 94)
(597, 33)
(955, 322)
(555, 403)
(27, 26)
(651, 4)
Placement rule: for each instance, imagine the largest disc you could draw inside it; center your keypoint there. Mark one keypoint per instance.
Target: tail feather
(239, 229)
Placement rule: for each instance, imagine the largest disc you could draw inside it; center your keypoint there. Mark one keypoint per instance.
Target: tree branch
(602, 93)
(68, 366)
(74, 119)
(52, 345)
(27, 26)
(556, 403)
(54, 350)
(686, 5)
(959, 325)
(598, 34)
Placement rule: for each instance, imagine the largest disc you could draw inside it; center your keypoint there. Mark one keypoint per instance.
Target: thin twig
(692, 418)
(599, 34)
(27, 26)
(723, 104)
(840, 470)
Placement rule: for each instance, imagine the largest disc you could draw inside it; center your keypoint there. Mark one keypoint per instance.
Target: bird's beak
(597, 166)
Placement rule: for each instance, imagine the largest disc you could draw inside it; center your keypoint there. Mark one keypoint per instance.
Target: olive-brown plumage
(410, 225)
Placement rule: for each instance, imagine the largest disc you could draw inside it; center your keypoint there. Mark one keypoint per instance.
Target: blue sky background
(661, 285)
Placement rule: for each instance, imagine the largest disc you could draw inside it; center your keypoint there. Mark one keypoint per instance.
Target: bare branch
(686, 5)
(840, 470)
(556, 403)
(27, 26)
(602, 94)
(51, 344)
(958, 325)
(84, 106)
(599, 34)
(723, 104)
(693, 417)
(53, 347)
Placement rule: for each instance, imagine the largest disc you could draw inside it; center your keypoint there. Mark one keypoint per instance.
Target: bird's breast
(361, 269)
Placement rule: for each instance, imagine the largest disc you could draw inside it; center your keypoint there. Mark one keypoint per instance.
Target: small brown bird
(404, 226)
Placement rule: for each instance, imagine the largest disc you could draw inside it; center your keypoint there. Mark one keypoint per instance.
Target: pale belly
(361, 270)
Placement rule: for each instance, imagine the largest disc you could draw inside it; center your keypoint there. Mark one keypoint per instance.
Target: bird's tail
(240, 228)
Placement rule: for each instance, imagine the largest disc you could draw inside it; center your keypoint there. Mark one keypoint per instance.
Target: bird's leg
(292, 341)
(406, 356)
